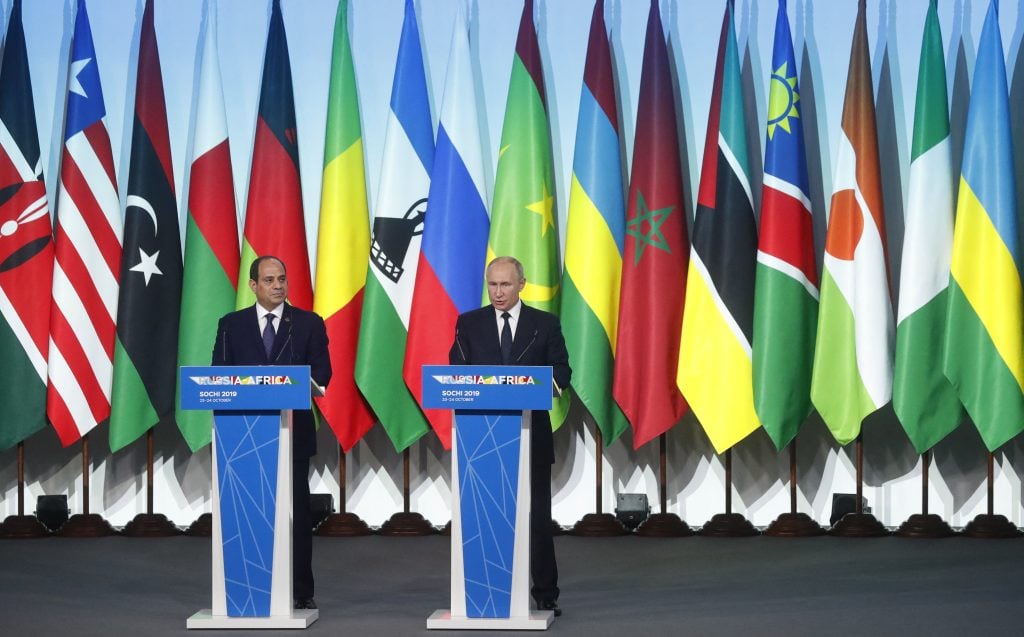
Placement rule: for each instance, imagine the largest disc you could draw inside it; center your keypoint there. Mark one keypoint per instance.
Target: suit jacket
(538, 341)
(301, 340)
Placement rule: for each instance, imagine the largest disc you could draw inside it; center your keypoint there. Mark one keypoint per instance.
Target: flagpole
(343, 523)
(859, 523)
(924, 524)
(86, 524)
(989, 525)
(663, 523)
(406, 523)
(22, 526)
(793, 524)
(150, 524)
(728, 524)
(598, 524)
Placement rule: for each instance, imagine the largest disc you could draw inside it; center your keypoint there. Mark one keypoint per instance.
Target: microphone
(458, 342)
(287, 342)
(528, 345)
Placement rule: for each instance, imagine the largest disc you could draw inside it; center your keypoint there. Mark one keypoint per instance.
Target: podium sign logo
(480, 387)
(245, 388)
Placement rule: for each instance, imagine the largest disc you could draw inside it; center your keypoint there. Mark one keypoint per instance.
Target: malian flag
(454, 248)
(853, 354)
(87, 246)
(211, 235)
(26, 249)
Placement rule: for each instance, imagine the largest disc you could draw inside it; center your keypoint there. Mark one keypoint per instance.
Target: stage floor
(377, 586)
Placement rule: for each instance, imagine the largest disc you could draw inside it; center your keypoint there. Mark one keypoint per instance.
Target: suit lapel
(525, 333)
(284, 331)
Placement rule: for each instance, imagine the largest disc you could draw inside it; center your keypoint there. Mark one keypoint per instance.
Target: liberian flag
(853, 354)
(454, 246)
(395, 249)
(88, 254)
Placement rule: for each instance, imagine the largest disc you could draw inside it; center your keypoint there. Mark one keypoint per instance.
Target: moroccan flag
(454, 233)
(523, 215)
(211, 235)
(87, 248)
(786, 287)
(395, 249)
(26, 249)
(594, 237)
(925, 402)
(655, 255)
(984, 357)
(343, 244)
(715, 368)
(273, 214)
(853, 353)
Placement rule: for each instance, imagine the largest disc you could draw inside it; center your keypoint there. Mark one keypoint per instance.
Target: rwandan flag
(984, 349)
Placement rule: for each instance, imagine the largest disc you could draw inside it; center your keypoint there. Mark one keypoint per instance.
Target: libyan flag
(150, 295)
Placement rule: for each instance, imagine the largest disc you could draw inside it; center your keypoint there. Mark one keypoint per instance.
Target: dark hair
(254, 269)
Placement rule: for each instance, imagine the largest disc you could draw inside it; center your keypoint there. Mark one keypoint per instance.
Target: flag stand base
(728, 525)
(407, 524)
(150, 525)
(342, 525)
(664, 525)
(924, 525)
(22, 527)
(991, 527)
(202, 527)
(858, 525)
(794, 525)
(86, 525)
(599, 525)
(446, 530)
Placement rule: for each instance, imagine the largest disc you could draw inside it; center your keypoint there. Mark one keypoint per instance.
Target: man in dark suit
(507, 332)
(272, 332)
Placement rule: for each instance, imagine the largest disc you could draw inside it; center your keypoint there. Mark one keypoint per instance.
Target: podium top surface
(245, 387)
(487, 387)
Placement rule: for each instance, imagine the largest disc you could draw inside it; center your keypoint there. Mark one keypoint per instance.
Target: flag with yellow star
(715, 369)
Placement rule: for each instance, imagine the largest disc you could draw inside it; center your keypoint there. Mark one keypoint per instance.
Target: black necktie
(268, 334)
(506, 340)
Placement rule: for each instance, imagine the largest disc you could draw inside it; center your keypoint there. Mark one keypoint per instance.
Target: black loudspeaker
(632, 509)
(843, 503)
(52, 511)
(320, 506)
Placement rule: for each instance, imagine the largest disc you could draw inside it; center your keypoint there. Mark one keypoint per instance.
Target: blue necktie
(268, 334)
(506, 340)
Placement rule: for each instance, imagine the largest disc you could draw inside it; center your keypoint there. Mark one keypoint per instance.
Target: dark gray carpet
(621, 586)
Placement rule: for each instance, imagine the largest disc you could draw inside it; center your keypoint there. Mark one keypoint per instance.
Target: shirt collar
(261, 312)
(513, 311)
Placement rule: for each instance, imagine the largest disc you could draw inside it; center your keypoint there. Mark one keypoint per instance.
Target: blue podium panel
(245, 387)
(488, 387)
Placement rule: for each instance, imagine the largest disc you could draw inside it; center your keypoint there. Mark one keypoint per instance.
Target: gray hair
(509, 261)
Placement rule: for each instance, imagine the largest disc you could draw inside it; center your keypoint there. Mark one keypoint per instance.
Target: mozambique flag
(786, 284)
(26, 249)
(925, 402)
(984, 357)
(145, 373)
(210, 278)
(594, 237)
(343, 243)
(273, 215)
(853, 353)
(715, 369)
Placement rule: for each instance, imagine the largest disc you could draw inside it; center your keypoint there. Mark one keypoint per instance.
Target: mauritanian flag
(715, 368)
(655, 255)
(924, 400)
(984, 357)
(87, 252)
(273, 213)
(395, 249)
(853, 353)
(343, 243)
(210, 278)
(786, 284)
(26, 249)
(523, 215)
(145, 355)
(454, 233)
(594, 238)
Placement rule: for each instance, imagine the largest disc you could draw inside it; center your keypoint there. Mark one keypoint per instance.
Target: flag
(853, 354)
(594, 237)
(145, 353)
(343, 244)
(984, 355)
(210, 277)
(26, 249)
(395, 249)
(87, 249)
(786, 282)
(715, 367)
(524, 221)
(454, 232)
(273, 214)
(655, 255)
(925, 402)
